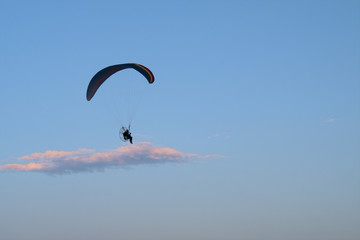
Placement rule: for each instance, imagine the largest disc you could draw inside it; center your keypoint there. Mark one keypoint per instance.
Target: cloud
(87, 160)
(330, 120)
(52, 155)
(220, 135)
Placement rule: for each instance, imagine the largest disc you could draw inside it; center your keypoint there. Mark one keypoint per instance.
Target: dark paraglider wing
(100, 77)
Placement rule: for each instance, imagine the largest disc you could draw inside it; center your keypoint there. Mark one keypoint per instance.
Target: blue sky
(250, 131)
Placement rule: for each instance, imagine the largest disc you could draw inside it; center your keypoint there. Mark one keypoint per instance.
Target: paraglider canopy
(100, 77)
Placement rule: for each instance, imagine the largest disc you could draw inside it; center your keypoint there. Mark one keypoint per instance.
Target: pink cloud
(24, 167)
(330, 120)
(55, 155)
(85, 160)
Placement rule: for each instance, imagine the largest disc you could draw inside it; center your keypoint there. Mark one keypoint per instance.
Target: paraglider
(100, 77)
(125, 134)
